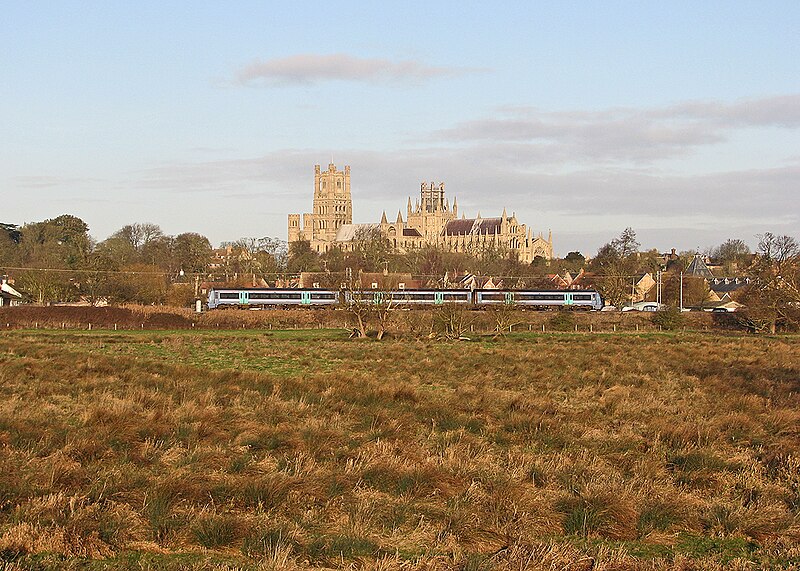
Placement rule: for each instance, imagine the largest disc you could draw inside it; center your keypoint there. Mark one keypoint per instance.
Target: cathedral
(430, 221)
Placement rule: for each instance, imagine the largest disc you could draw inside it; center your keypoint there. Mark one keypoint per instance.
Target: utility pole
(658, 287)
(681, 292)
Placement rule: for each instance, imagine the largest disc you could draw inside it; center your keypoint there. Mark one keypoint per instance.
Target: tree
(732, 254)
(62, 242)
(160, 252)
(626, 244)
(616, 263)
(773, 299)
(371, 249)
(11, 231)
(450, 321)
(192, 252)
(10, 237)
(574, 261)
(138, 234)
(46, 286)
(302, 258)
(278, 252)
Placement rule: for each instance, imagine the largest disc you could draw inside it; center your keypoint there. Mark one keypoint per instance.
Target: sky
(678, 119)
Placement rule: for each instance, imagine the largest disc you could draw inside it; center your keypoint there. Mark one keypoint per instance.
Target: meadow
(239, 450)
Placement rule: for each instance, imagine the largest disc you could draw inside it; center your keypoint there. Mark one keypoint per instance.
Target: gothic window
(338, 184)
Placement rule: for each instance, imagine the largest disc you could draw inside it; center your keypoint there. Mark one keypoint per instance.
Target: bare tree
(505, 317)
(450, 321)
(384, 310)
(360, 309)
(774, 297)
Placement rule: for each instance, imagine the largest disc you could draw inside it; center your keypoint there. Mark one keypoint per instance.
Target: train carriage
(271, 297)
(412, 298)
(581, 299)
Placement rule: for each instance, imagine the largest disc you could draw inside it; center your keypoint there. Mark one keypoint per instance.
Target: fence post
(115, 327)
(90, 326)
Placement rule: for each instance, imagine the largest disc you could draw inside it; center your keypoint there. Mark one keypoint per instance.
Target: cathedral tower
(332, 208)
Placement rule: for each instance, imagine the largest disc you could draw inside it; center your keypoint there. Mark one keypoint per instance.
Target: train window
(493, 297)
(581, 297)
(226, 295)
(322, 296)
(548, 297)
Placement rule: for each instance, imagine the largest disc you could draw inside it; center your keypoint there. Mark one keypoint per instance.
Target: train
(254, 298)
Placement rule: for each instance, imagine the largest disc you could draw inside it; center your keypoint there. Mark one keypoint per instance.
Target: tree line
(57, 260)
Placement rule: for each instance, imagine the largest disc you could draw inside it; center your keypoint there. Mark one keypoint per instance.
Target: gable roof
(8, 291)
(727, 285)
(473, 226)
(349, 232)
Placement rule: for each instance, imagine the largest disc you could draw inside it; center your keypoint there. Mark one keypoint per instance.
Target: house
(363, 280)
(731, 287)
(9, 297)
(568, 281)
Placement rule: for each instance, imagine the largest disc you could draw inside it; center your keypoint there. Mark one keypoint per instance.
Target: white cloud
(625, 134)
(305, 69)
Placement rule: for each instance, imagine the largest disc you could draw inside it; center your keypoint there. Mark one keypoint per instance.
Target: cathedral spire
(383, 218)
(399, 218)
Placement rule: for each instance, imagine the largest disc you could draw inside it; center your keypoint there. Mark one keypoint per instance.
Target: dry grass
(308, 450)
(417, 322)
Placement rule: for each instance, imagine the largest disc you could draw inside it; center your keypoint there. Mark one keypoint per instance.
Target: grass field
(304, 449)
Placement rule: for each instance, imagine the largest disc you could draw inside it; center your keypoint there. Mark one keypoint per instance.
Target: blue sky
(679, 119)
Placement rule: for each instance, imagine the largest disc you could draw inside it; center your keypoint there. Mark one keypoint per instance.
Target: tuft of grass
(214, 530)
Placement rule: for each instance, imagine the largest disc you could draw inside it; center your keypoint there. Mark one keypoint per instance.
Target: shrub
(669, 318)
(563, 320)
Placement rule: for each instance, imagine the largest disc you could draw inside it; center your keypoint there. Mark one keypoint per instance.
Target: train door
(305, 298)
(509, 298)
(243, 298)
(568, 299)
(438, 297)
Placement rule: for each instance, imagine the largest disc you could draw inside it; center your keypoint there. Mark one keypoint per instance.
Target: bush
(669, 318)
(563, 320)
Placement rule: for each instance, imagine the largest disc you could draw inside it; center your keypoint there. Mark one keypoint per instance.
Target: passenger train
(480, 298)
